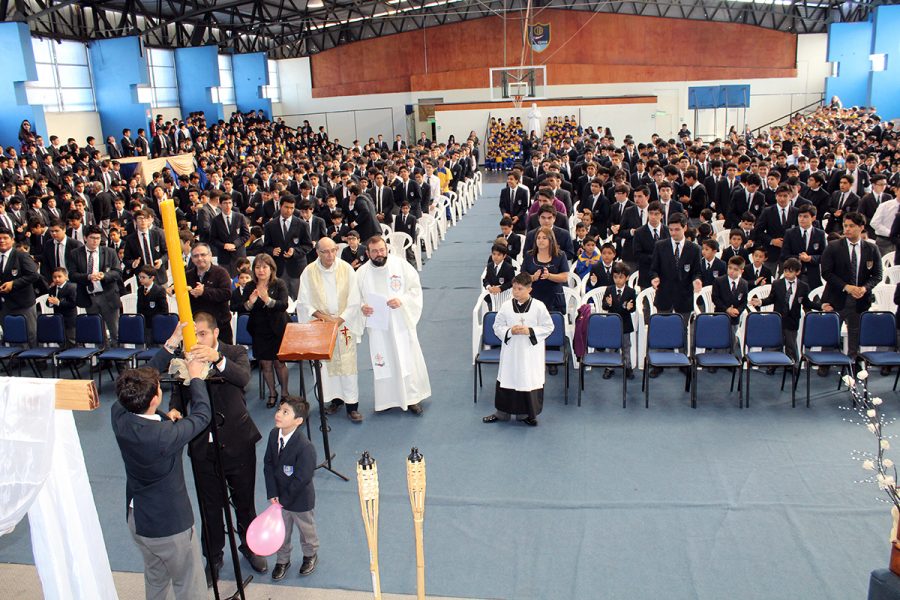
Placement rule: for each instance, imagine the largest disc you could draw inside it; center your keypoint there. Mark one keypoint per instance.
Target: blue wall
(884, 86)
(118, 67)
(251, 71)
(197, 70)
(18, 67)
(848, 45)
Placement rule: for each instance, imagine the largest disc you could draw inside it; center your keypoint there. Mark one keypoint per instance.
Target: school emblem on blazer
(288, 470)
(396, 283)
(539, 36)
(816, 246)
(687, 268)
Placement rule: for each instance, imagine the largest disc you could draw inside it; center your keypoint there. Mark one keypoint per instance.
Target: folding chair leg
(747, 387)
(896, 378)
(647, 392)
(794, 376)
(694, 372)
(475, 383)
(808, 369)
(624, 385)
(731, 389)
(840, 378)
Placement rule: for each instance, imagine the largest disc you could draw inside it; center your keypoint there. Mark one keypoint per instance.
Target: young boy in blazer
(288, 467)
(621, 299)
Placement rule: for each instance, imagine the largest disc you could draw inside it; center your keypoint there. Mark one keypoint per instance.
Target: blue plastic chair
(712, 331)
(666, 333)
(161, 329)
(51, 337)
(243, 338)
(763, 330)
(557, 348)
(605, 334)
(823, 329)
(879, 329)
(489, 355)
(88, 344)
(131, 331)
(15, 340)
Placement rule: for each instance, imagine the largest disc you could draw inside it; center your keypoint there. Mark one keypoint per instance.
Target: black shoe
(280, 571)
(209, 573)
(823, 371)
(712, 369)
(257, 562)
(770, 370)
(334, 406)
(607, 373)
(309, 565)
(629, 373)
(490, 419)
(415, 409)
(271, 402)
(530, 421)
(553, 369)
(654, 372)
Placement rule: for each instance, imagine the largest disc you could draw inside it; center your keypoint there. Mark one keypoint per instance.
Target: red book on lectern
(308, 341)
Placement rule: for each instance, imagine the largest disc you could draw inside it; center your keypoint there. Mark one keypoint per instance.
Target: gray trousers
(309, 539)
(107, 306)
(30, 314)
(173, 568)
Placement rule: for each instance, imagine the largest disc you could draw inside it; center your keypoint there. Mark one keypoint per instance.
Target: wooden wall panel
(585, 48)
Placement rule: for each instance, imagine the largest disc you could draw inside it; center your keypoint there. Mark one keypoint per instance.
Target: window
(226, 80)
(273, 90)
(64, 77)
(163, 84)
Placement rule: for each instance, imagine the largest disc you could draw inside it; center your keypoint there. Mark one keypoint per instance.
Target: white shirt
(286, 438)
(883, 219)
(94, 255)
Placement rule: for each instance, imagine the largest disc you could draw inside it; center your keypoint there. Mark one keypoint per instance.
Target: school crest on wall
(539, 36)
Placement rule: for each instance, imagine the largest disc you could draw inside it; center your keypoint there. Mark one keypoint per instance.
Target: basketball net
(517, 101)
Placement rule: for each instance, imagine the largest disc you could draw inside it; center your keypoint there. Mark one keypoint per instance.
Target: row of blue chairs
(711, 346)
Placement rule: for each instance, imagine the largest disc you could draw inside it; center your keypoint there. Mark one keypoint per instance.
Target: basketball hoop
(517, 101)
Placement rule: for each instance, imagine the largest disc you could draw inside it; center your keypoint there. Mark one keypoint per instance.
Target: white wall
(78, 125)
(769, 99)
(168, 114)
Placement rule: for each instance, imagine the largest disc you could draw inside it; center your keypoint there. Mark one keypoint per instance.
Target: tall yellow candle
(179, 281)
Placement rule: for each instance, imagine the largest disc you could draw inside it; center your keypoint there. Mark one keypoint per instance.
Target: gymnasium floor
(596, 502)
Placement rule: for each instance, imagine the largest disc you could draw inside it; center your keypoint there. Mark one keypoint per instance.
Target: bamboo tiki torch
(367, 479)
(415, 481)
(179, 281)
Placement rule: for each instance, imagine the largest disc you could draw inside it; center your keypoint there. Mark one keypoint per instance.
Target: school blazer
(289, 475)
(790, 315)
(836, 273)
(723, 297)
(793, 247)
(675, 291)
(618, 305)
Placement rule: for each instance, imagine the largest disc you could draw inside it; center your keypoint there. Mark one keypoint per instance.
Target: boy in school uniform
(735, 246)
(151, 297)
(601, 273)
(729, 295)
(288, 468)
(498, 274)
(354, 253)
(788, 295)
(237, 294)
(757, 273)
(621, 299)
(61, 297)
(711, 267)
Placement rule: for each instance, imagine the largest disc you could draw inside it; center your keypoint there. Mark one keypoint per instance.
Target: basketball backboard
(527, 81)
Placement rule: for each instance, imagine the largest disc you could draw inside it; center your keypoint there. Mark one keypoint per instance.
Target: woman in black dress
(266, 299)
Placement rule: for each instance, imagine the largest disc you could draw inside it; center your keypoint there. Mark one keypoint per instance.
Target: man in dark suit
(843, 200)
(228, 235)
(360, 214)
(97, 272)
(851, 268)
(209, 287)
(383, 199)
(745, 198)
(145, 246)
(771, 226)
(806, 243)
(398, 143)
(126, 144)
(869, 203)
(859, 179)
(157, 507)
(18, 275)
(675, 270)
(667, 205)
(56, 250)
(514, 202)
(288, 242)
(315, 225)
(407, 189)
(161, 145)
(547, 218)
(645, 239)
(237, 437)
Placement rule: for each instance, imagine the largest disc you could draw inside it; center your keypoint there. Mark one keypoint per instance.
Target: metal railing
(815, 104)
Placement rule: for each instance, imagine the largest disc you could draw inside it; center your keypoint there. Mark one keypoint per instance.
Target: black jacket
(836, 273)
(617, 305)
(676, 279)
(109, 265)
(790, 315)
(289, 475)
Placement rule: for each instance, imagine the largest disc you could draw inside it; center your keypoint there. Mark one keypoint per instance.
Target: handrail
(818, 102)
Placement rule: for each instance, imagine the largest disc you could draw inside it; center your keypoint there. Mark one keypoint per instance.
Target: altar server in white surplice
(329, 292)
(392, 303)
(523, 323)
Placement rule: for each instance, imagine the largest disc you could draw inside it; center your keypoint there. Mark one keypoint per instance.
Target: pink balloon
(266, 533)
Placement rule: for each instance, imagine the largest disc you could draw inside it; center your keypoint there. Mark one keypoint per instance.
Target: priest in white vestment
(392, 303)
(523, 324)
(329, 292)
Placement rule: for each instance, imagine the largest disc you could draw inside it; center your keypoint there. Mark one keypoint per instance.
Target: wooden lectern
(313, 341)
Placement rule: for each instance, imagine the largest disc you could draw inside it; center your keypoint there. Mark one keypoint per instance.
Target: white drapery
(44, 474)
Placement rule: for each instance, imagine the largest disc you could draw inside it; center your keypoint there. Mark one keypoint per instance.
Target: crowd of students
(806, 204)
